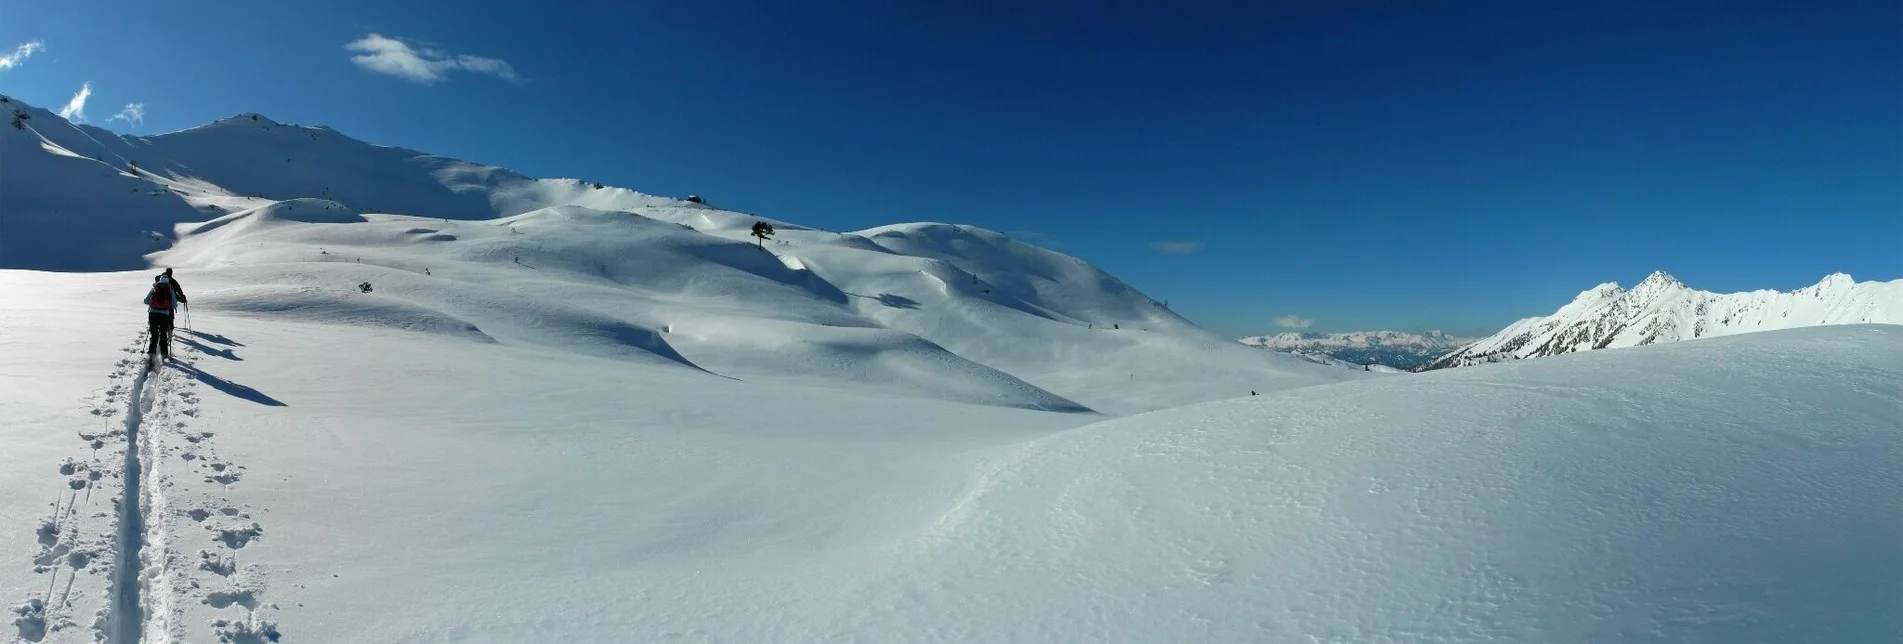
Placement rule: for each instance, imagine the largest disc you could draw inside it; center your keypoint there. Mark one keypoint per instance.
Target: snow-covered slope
(1661, 309)
(62, 210)
(324, 478)
(297, 217)
(1741, 489)
(1395, 349)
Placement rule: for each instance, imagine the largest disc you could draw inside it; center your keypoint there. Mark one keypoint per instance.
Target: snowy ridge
(1661, 309)
(290, 220)
(1396, 349)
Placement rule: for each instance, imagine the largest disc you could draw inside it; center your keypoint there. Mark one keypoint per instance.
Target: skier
(176, 288)
(161, 303)
(178, 292)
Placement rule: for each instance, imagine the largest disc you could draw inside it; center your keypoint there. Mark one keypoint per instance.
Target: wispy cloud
(75, 109)
(1176, 247)
(19, 54)
(1293, 322)
(385, 55)
(133, 114)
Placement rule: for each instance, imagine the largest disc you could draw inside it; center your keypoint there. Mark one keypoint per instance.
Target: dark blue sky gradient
(1450, 165)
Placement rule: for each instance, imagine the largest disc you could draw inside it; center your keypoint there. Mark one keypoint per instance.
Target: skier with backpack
(161, 304)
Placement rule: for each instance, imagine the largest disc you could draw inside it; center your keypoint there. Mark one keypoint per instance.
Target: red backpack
(162, 296)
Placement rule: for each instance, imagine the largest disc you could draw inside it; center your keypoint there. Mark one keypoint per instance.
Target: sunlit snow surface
(412, 486)
(564, 413)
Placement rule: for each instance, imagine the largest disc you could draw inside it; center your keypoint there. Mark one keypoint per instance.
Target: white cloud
(385, 55)
(19, 55)
(1293, 322)
(1176, 247)
(133, 114)
(75, 109)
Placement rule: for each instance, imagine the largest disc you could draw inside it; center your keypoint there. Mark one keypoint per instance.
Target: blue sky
(1353, 165)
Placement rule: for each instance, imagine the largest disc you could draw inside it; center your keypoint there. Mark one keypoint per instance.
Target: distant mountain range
(1662, 309)
(1395, 349)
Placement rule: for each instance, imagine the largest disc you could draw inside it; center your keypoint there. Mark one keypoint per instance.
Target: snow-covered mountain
(295, 217)
(1395, 349)
(1661, 309)
(569, 413)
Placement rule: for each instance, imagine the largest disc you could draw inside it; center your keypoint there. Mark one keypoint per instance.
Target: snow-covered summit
(1660, 308)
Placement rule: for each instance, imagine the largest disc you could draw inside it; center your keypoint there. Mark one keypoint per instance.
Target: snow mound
(1740, 489)
(333, 306)
(310, 211)
(865, 360)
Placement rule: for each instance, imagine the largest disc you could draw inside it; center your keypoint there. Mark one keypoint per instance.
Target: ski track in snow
(134, 568)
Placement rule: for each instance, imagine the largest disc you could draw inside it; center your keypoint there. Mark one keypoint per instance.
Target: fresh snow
(569, 413)
(1661, 309)
(1397, 350)
(355, 483)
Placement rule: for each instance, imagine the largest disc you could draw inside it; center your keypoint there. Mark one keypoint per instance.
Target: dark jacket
(178, 292)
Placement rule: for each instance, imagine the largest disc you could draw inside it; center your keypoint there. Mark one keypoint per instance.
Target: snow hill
(1661, 309)
(1396, 349)
(330, 477)
(294, 218)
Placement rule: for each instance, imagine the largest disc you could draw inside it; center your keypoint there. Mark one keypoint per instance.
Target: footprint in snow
(30, 618)
(224, 599)
(224, 474)
(221, 564)
(237, 538)
(245, 632)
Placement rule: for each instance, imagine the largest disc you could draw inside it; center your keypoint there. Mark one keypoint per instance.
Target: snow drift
(1739, 489)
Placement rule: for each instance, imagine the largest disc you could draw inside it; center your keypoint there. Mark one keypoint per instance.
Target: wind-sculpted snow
(1741, 489)
(313, 304)
(333, 480)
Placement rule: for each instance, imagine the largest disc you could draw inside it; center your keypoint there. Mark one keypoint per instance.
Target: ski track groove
(145, 574)
(125, 618)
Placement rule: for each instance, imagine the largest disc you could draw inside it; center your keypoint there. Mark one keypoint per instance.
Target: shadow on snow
(229, 387)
